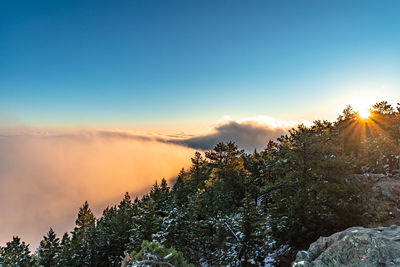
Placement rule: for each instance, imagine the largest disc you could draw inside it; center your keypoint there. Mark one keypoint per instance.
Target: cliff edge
(355, 246)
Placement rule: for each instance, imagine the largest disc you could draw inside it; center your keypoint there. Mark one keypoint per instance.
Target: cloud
(46, 176)
(249, 134)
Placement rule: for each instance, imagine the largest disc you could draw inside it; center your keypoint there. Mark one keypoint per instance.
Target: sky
(144, 63)
(98, 98)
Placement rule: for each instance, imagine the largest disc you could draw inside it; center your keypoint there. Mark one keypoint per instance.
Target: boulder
(356, 246)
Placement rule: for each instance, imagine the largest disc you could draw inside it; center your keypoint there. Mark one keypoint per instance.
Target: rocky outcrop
(382, 198)
(356, 246)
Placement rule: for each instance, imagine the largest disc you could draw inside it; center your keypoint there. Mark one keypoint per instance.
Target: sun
(364, 113)
(363, 105)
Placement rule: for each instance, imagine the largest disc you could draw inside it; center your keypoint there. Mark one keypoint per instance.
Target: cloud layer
(44, 179)
(249, 134)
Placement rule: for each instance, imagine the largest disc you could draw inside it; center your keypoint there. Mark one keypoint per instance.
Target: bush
(155, 254)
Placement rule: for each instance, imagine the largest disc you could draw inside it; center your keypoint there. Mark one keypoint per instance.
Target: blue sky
(152, 62)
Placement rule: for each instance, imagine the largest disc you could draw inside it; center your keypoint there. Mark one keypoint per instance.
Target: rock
(382, 197)
(356, 246)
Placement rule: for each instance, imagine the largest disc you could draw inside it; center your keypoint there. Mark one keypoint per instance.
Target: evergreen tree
(180, 192)
(349, 128)
(66, 254)
(145, 222)
(199, 171)
(49, 249)
(113, 232)
(16, 253)
(252, 247)
(85, 220)
(256, 165)
(225, 187)
(190, 229)
(82, 241)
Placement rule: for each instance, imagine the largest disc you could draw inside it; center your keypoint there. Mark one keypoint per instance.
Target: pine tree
(349, 127)
(85, 220)
(49, 249)
(83, 236)
(113, 233)
(16, 253)
(66, 254)
(226, 184)
(180, 192)
(252, 248)
(145, 222)
(199, 171)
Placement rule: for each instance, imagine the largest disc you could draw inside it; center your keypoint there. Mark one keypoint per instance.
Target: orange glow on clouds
(44, 179)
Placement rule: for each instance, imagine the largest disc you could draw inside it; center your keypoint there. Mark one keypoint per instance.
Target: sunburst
(364, 113)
